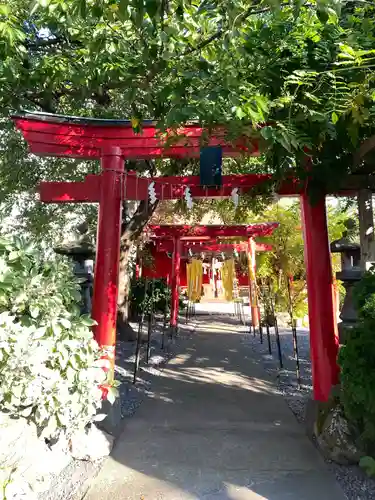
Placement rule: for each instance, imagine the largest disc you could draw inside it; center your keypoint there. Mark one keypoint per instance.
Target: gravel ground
(73, 481)
(132, 395)
(355, 484)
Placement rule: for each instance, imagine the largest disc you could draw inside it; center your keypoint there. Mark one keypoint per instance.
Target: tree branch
(251, 11)
(220, 32)
(133, 229)
(50, 42)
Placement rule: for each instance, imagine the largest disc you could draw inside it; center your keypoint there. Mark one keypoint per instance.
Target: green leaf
(152, 8)
(368, 465)
(123, 10)
(334, 118)
(82, 8)
(70, 373)
(65, 323)
(267, 133)
(112, 394)
(322, 15)
(240, 113)
(26, 412)
(51, 428)
(99, 417)
(34, 311)
(4, 10)
(56, 327)
(13, 256)
(87, 321)
(17, 391)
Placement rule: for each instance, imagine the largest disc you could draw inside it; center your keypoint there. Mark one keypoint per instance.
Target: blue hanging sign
(211, 162)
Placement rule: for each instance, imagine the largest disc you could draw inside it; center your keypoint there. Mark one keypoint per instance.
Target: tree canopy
(298, 75)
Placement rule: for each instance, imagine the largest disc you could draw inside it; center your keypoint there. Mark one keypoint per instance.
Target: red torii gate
(201, 244)
(196, 246)
(214, 247)
(112, 141)
(181, 234)
(161, 247)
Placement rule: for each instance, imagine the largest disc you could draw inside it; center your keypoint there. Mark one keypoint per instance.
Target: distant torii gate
(182, 234)
(112, 141)
(212, 246)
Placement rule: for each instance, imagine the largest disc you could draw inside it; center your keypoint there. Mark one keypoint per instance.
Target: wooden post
(104, 305)
(254, 307)
(322, 318)
(366, 228)
(175, 282)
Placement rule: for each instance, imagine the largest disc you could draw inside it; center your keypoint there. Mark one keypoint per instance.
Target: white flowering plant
(50, 367)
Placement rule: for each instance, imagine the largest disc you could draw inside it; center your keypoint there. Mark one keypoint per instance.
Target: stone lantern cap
(80, 247)
(346, 244)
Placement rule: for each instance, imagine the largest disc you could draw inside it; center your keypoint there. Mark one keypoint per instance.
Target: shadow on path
(214, 426)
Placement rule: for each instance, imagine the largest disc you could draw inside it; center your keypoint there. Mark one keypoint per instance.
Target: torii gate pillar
(175, 282)
(104, 305)
(253, 299)
(322, 318)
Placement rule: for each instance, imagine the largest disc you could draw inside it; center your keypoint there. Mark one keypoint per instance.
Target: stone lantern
(82, 251)
(350, 274)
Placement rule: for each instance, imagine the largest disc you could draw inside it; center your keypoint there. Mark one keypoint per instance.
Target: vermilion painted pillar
(175, 282)
(104, 307)
(254, 308)
(322, 318)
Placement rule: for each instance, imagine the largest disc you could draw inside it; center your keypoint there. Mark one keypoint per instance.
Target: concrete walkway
(214, 427)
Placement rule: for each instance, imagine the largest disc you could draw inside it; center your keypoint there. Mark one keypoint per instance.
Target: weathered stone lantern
(82, 251)
(350, 274)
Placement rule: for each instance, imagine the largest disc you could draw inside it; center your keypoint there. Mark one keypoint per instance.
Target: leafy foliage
(364, 296)
(49, 362)
(299, 69)
(356, 359)
(156, 298)
(368, 465)
(286, 260)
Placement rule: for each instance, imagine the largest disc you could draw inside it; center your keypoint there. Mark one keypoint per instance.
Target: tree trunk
(130, 233)
(366, 228)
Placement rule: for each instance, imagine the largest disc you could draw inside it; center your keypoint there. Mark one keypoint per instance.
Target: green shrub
(158, 300)
(49, 362)
(357, 361)
(364, 296)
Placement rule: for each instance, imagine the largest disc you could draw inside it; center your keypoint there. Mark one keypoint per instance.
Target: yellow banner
(194, 273)
(228, 274)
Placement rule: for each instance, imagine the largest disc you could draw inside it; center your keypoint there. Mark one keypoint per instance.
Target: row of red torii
(162, 250)
(112, 142)
(176, 238)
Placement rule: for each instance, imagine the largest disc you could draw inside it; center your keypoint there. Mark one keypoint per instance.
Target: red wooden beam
(174, 187)
(87, 138)
(166, 188)
(213, 231)
(87, 191)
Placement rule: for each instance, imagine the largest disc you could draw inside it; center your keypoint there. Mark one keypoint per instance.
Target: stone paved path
(214, 427)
